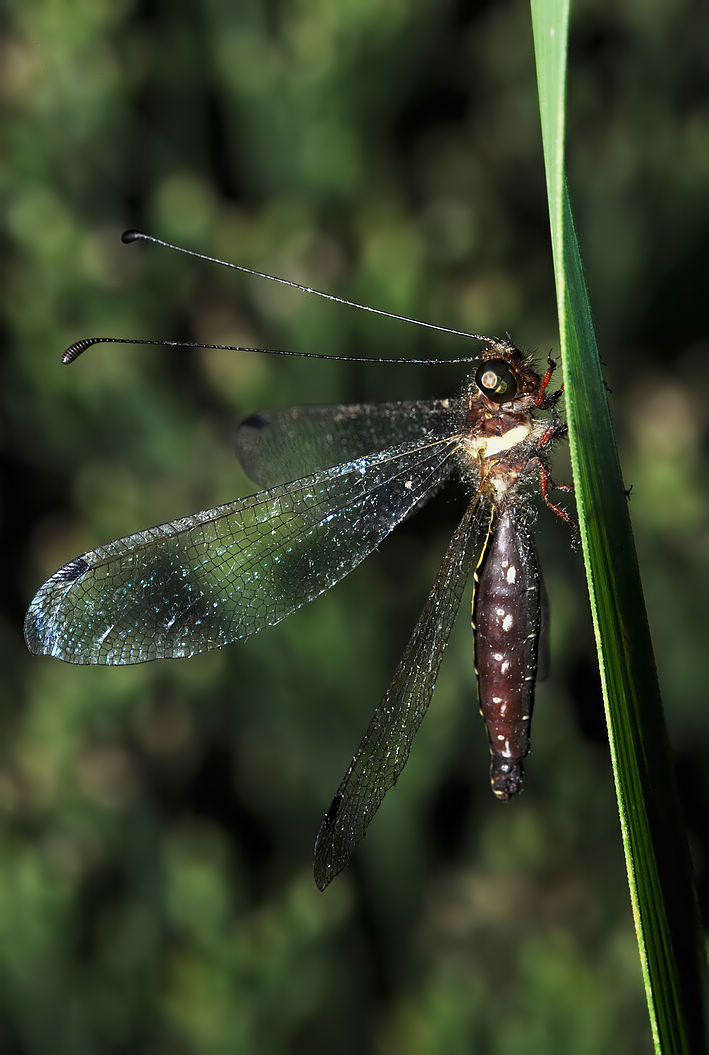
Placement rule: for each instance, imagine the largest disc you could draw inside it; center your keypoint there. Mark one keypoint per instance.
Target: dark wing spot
(73, 570)
(332, 811)
(255, 421)
(323, 869)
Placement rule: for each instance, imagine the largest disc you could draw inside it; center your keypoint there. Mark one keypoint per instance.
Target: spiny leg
(546, 484)
(541, 399)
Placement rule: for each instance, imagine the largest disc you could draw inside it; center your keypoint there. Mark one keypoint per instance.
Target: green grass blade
(656, 853)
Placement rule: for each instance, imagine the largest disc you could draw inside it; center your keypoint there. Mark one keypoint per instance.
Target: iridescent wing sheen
(208, 579)
(385, 747)
(277, 445)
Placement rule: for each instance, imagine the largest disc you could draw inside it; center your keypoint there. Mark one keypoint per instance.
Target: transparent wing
(277, 445)
(223, 574)
(385, 747)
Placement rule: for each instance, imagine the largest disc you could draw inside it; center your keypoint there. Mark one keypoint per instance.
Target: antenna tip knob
(131, 235)
(77, 348)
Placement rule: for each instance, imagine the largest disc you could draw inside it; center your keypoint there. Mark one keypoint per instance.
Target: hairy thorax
(498, 442)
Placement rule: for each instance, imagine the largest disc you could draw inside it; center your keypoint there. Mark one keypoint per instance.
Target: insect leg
(546, 484)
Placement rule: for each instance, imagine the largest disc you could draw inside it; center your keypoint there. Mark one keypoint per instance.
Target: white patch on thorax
(490, 446)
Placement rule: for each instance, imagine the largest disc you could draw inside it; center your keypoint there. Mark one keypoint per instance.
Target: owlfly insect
(338, 480)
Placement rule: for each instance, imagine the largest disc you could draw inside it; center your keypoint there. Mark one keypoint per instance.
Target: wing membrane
(211, 578)
(277, 445)
(385, 747)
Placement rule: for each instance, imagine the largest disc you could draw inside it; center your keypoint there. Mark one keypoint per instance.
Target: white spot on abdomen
(508, 622)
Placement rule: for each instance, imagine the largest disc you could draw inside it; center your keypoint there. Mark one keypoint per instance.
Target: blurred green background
(156, 823)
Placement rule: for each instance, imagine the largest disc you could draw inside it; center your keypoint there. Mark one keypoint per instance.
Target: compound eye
(496, 380)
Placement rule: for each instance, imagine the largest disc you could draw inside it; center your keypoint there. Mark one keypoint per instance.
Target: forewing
(211, 578)
(277, 445)
(385, 747)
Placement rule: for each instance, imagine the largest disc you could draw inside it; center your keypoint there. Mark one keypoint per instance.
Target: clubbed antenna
(79, 347)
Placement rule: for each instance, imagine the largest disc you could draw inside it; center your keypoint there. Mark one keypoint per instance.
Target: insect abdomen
(506, 624)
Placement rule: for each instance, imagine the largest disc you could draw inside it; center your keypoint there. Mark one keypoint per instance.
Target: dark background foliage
(156, 822)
